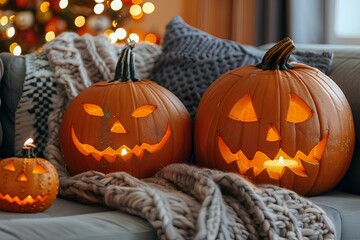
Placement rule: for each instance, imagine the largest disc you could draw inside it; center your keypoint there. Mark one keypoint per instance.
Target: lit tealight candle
(123, 152)
(278, 165)
(28, 148)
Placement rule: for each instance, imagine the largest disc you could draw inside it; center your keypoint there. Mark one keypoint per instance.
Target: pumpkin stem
(125, 67)
(277, 57)
(28, 151)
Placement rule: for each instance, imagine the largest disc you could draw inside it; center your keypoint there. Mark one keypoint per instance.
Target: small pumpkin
(279, 123)
(127, 124)
(27, 183)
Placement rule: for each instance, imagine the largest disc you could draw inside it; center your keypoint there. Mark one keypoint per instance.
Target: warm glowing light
(17, 50)
(28, 142)
(23, 202)
(112, 37)
(243, 110)
(10, 32)
(79, 21)
(277, 166)
(4, 20)
(10, 166)
(44, 6)
(111, 154)
(273, 134)
(99, 8)
(12, 18)
(150, 38)
(136, 17)
(134, 37)
(116, 5)
(143, 111)
(121, 33)
(118, 128)
(99, 1)
(63, 4)
(136, 1)
(298, 111)
(135, 10)
(114, 23)
(148, 7)
(93, 110)
(2, 2)
(22, 177)
(49, 36)
(123, 152)
(107, 32)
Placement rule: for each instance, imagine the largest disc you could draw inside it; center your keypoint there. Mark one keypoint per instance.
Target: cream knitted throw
(180, 201)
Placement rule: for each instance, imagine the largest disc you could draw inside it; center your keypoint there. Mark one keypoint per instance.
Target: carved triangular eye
(143, 111)
(243, 110)
(38, 169)
(298, 111)
(10, 166)
(93, 110)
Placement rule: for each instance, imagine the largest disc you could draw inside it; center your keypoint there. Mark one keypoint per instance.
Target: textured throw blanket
(180, 201)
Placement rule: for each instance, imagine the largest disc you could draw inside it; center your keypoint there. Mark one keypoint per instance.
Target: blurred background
(25, 25)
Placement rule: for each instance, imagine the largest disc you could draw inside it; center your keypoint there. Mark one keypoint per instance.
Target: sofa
(70, 218)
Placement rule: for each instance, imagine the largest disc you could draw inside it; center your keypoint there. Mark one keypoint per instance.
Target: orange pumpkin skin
(142, 118)
(322, 142)
(27, 184)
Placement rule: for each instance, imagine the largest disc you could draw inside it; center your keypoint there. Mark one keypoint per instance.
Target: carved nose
(118, 127)
(22, 177)
(273, 134)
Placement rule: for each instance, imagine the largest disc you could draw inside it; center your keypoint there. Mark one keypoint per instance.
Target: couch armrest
(11, 88)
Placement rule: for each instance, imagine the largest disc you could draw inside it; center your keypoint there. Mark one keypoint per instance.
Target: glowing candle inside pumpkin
(123, 152)
(28, 148)
(278, 165)
(29, 142)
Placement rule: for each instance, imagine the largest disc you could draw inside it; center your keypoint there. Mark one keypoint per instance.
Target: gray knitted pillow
(192, 59)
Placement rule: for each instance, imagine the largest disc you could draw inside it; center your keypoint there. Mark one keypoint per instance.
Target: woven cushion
(192, 59)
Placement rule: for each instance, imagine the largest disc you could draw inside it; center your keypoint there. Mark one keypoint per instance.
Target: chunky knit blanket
(180, 201)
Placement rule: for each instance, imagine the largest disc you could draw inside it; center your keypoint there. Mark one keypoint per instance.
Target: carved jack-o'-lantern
(27, 184)
(281, 124)
(125, 125)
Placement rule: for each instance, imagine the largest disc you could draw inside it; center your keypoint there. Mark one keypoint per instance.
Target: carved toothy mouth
(123, 151)
(21, 202)
(257, 163)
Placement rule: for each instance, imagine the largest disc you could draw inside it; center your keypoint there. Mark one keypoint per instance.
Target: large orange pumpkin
(128, 125)
(277, 123)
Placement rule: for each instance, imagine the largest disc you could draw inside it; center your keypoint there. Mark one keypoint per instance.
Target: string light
(148, 8)
(10, 32)
(134, 37)
(99, 8)
(44, 7)
(79, 21)
(63, 4)
(116, 5)
(47, 21)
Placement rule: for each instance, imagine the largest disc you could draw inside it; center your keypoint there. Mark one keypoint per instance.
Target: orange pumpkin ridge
(127, 124)
(288, 125)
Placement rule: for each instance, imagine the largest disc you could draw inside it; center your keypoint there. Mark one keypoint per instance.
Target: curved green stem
(125, 67)
(277, 57)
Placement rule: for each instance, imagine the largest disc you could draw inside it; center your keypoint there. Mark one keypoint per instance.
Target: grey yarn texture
(192, 59)
(180, 201)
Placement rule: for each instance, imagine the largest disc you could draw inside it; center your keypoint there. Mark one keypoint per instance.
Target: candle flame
(281, 160)
(123, 152)
(29, 142)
